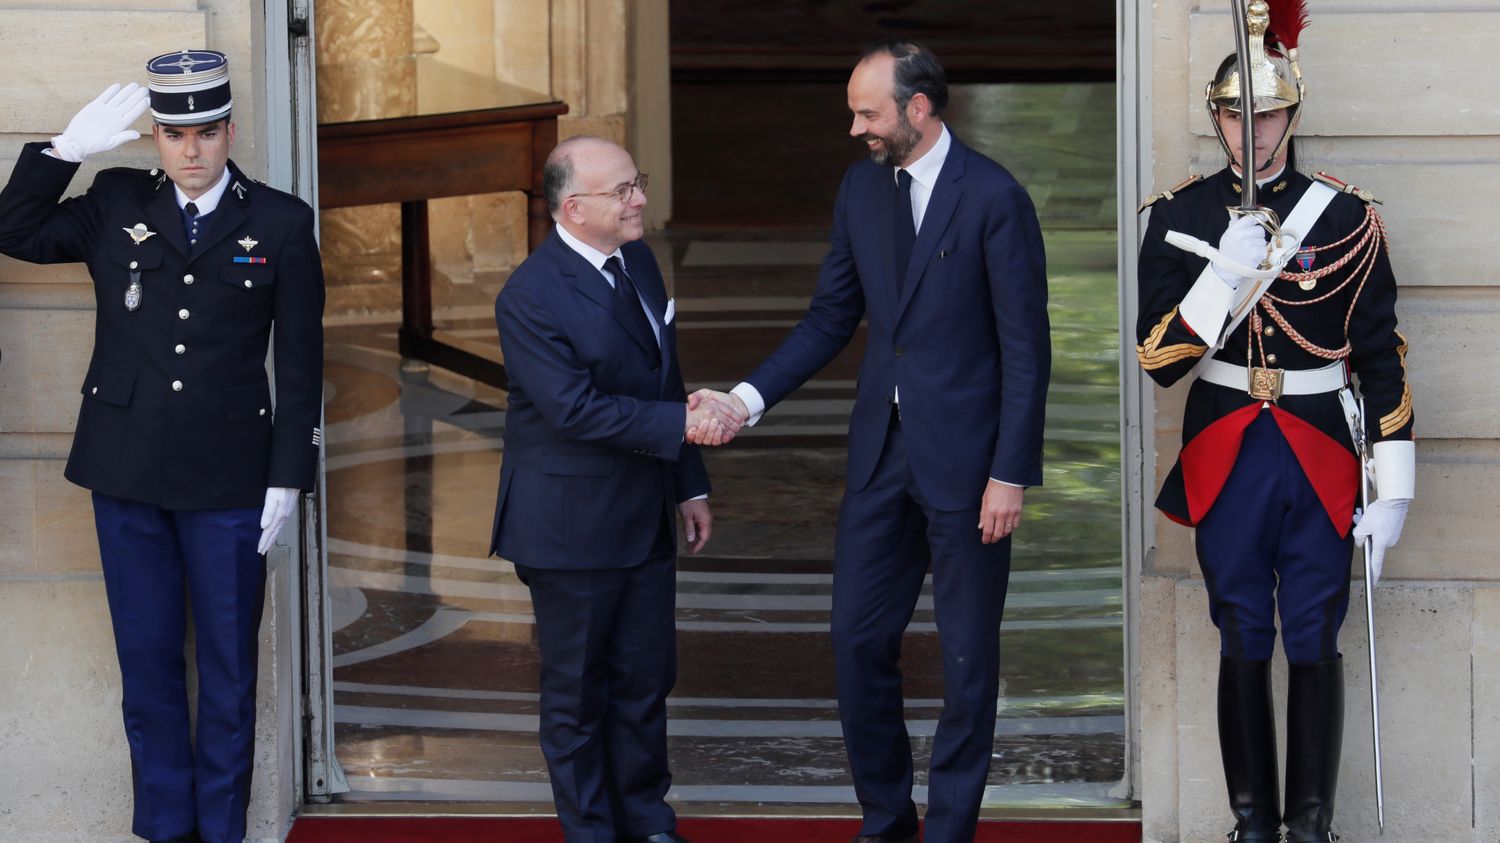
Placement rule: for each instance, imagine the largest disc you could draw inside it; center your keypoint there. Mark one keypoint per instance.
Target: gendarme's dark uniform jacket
(1168, 349)
(177, 406)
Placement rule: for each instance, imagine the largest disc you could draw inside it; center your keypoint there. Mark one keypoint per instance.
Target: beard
(897, 146)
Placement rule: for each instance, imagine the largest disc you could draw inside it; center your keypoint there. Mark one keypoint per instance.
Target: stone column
(365, 72)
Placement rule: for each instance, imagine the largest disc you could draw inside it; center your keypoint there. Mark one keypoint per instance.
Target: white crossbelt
(1330, 378)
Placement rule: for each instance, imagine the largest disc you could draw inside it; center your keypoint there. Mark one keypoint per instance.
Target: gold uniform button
(187, 279)
(182, 314)
(1271, 358)
(176, 386)
(180, 349)
(1269, 331)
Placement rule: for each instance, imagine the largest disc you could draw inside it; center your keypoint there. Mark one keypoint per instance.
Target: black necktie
(904, 231)
(630, 304)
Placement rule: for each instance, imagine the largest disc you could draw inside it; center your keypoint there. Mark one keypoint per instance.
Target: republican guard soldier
(193, 466)
(1268, 473)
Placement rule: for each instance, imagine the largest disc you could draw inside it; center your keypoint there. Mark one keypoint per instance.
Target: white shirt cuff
(697, 498)
(1395, 469)
(1206, 306)
(753, 402)
(1006, 483)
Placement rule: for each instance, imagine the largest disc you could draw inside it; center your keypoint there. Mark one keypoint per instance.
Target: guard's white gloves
(279, 505)
(103, 124)
(1382, 527)
(1243, 242)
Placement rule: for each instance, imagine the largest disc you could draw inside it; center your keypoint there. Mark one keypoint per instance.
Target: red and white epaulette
(1170, 194)
(1345, 187)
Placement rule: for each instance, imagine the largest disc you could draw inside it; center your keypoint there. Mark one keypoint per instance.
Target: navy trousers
(1267, 543)
(609, 658)
(154, 559)
(887, 536)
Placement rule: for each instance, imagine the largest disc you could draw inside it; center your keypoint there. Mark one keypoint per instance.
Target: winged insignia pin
(139, 233)
(248, 243)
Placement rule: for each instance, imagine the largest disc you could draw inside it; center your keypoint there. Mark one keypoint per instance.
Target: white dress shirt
(210, 198)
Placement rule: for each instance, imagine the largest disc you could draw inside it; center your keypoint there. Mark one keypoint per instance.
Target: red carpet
(540, 830)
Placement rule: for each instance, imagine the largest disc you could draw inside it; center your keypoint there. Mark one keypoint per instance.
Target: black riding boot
(1247, 741)
(1314, 737)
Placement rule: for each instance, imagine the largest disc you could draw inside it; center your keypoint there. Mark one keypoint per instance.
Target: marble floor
(434, 659)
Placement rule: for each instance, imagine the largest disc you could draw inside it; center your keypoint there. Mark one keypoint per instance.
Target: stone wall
(1399, 103)
(64, 766)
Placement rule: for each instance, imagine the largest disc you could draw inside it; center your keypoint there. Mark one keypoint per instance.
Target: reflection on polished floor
(434, 661)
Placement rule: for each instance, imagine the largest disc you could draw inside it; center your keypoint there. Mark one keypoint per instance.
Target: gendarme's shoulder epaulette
(1343, 187)
(1170, 194)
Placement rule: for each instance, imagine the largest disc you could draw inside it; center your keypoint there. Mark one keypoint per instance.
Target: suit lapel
(167, 218)
(940, 208)
(590, 282)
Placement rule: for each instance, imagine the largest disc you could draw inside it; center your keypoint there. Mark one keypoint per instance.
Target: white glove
(279, 505)
(103, 124)
(1382, 527)
(1243, 242)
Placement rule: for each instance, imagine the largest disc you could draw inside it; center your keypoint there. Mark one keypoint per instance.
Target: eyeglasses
(624, 193)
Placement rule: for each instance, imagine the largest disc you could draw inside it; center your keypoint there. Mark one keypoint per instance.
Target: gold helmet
(1274, 27)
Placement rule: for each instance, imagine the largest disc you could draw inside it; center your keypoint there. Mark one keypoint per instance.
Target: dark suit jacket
(219, 441)
(594, 454)
(966, 341)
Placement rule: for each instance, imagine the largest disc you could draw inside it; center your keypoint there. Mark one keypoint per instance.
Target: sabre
(1247, 105)
(1364, 500)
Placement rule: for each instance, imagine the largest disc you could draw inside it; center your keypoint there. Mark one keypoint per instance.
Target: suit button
(262, 410)
(94, 391)
(1269, 331)
(135, 265)
(900, 351)
(248, 283)
(180, 349)
(1271, 358)
(182, 314)
(176, 386)
(187, 279)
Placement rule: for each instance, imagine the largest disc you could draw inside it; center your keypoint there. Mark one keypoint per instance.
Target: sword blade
(1364, 498)
(1247, 104)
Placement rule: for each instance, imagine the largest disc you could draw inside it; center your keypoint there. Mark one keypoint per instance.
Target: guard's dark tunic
(177, 408)
(1314, 425)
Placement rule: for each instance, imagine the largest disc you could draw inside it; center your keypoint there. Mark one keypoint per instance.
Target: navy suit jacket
(594, 454)
(966, 340)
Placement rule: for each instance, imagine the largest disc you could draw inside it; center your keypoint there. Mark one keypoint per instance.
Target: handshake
(713, 418)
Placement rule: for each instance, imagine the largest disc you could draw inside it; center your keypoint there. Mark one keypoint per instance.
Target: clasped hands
(714, 418)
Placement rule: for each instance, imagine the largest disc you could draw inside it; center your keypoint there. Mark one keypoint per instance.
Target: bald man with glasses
(596, 470)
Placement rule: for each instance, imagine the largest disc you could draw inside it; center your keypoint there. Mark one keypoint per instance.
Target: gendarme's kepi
(189, 87)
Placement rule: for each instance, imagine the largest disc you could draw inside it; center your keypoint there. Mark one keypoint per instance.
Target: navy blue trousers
(609, 658)
(1267, 544)
(887, 535)
(154, 559)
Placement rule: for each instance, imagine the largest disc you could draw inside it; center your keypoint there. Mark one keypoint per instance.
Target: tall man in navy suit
(939, 248)
(596, 469)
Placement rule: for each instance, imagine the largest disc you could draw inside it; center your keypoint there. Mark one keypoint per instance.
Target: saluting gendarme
(193, 462)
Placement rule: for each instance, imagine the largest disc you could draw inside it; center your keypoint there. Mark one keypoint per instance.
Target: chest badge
(248, 243)
(133, 293)
(139, 233)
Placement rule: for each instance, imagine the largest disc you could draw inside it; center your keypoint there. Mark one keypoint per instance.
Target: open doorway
(434, 674)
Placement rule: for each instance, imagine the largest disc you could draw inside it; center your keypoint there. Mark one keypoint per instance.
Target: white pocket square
(671, 311)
